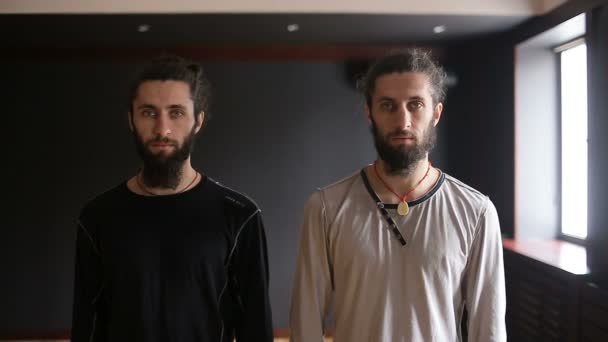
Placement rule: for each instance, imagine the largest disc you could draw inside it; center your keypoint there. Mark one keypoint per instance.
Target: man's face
(164, 128)
(403, 119)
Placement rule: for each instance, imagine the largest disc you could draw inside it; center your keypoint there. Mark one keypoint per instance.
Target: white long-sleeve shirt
(384, 291)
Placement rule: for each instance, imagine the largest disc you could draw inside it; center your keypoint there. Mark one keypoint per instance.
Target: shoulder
(233, 199)
(339, 188)
(241, 213)
(470, 200)
(329, 197)
(104, 201)
(464, 193)
(95, 210)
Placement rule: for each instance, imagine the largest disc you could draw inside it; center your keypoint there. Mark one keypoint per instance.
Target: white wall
(448, 7)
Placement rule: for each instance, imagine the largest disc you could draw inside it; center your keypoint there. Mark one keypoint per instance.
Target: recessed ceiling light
(293, 27)
(143, 28)
(439, 29)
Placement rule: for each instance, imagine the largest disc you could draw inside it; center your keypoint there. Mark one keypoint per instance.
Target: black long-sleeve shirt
(186, 267)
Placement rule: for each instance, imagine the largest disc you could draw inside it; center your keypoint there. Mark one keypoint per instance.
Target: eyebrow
(145, 106)
(419, 98)
(415, 97)
(177, 106)
(149, 106)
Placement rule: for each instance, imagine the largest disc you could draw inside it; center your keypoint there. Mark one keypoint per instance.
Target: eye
(387, 106)
(147, 112)
(176, 114)
(415, 105)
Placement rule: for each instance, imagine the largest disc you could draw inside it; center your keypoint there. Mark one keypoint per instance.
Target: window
(551, 134)
(573, 101)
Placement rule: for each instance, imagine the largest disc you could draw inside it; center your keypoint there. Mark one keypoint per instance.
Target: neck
(413, 182)
(403, 181)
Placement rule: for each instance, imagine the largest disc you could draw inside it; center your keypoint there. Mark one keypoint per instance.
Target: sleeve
(313, 286)
(484, 286)
(88, 285)
(255, 323)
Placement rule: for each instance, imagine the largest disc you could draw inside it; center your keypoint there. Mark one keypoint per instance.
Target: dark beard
(160, 170)
(401, 160)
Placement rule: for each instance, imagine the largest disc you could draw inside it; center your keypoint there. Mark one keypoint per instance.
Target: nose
(162, 125)
(404, 117)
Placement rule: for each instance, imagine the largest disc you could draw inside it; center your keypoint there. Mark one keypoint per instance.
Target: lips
(403, 137)
(162, 146)
(162, 143)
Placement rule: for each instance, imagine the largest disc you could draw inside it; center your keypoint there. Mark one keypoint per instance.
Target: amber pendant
(403, 208)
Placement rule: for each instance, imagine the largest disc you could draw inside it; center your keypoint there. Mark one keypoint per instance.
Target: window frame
(558, 49)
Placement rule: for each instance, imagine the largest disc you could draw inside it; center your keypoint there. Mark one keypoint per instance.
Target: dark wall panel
(68, 141)
(479, 114)
(597, 58)
(279, 131)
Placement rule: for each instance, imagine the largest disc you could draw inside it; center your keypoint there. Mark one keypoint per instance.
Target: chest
(168, 241)
(437, 246)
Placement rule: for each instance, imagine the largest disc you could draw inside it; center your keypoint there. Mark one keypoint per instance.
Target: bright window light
(574, 141)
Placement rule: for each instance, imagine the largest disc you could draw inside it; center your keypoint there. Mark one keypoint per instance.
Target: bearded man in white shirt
(400, 247)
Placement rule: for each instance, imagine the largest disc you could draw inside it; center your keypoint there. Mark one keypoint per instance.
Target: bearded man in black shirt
(170, 254)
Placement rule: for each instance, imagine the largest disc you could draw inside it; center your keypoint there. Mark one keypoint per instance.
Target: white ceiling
(434, 7)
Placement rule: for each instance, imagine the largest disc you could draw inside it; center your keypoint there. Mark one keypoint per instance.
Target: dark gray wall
(279, 130)
(68, 140)
(597, 85)
(479, 121)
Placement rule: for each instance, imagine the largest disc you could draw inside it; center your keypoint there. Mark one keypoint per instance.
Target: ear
(200, 117)
(368, 114)
(130, 120)
(437, 113)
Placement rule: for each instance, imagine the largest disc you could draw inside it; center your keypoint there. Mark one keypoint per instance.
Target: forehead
(399, 85)
(163, 92)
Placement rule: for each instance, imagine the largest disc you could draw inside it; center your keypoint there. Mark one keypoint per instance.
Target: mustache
(402, 133)
(162, 140)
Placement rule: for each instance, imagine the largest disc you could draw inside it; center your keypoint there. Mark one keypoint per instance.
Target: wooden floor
(285, 339)
(278, 339)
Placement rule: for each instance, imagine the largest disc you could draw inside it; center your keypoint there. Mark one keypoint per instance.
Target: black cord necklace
(387, 216)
